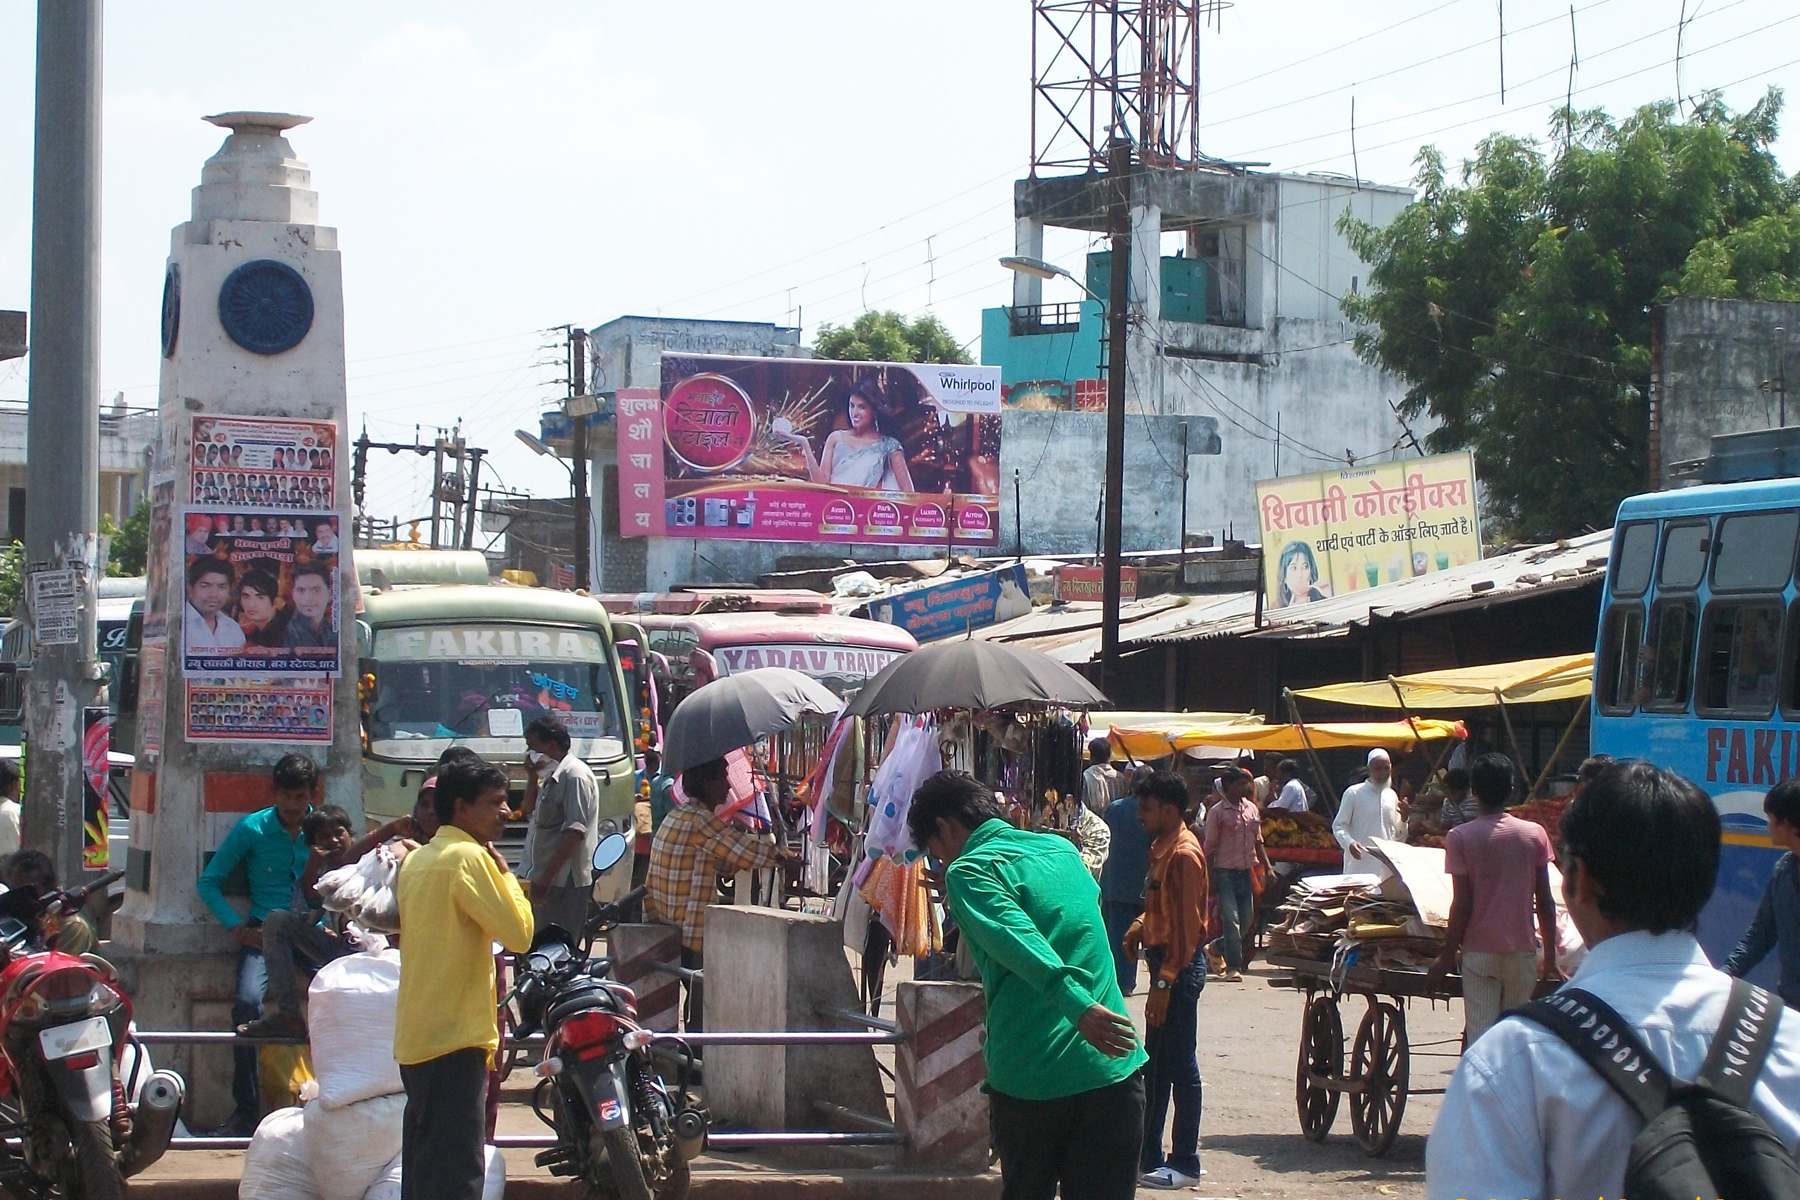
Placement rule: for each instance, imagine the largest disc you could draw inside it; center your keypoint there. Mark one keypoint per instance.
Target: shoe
(1168, 1179)
(1234, 977)
(273, 1025)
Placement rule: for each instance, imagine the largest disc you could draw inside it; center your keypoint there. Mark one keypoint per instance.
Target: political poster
(269, 708)
(260, 594)
(96, 765)
(810, 450)
(1334, 532)
(243, 463)
(958, 605)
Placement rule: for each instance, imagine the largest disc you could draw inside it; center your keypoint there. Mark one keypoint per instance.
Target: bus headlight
(608, 827)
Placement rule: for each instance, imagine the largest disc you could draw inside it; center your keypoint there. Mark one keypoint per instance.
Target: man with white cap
(1369, 810)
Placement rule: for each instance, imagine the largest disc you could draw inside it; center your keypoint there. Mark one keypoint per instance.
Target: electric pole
(437, 487)
(578, 451)
(63, 425)
(1118, 173)
(468, 539)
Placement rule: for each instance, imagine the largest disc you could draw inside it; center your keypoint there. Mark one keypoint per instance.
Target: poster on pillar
(261, 593)
(260, 463)
(158, 545)
(1341, 531)
(152, 689)
(96, 769)
(810, 450)
(257, 709)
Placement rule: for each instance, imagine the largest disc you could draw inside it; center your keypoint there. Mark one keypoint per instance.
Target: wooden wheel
(1379, 1064)
(1321, 1056)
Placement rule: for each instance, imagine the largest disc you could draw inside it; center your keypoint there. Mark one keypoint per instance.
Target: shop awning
(1158, 738)
(1527, 681)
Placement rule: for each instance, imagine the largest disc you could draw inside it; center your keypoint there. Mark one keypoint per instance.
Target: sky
(495, 171)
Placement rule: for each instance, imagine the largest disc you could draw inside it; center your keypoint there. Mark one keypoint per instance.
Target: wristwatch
(1161, 985)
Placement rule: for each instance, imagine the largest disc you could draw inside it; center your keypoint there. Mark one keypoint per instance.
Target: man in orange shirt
(1172, 932)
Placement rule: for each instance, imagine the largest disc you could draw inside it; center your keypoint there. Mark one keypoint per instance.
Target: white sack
(351, 1009)
(276, 1166)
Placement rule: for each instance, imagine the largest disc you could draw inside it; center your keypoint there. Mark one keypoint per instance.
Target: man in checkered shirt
(690, 851)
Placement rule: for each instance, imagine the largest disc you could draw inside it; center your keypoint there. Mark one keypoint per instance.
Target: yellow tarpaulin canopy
(1528, 681)
(1174, 732)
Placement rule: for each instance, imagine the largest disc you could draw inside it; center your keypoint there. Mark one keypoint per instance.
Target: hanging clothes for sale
(912, 759)
(898, 897)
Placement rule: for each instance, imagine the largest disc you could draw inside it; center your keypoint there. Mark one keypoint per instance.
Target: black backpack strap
(1736, 1055)
(1605, 1041)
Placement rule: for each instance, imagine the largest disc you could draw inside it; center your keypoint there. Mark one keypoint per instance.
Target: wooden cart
(1379, 1077)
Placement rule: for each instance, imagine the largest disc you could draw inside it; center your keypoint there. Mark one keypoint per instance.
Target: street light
(536, 446)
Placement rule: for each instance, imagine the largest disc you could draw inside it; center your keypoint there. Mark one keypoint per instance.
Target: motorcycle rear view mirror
(13, 931)
(612, 848)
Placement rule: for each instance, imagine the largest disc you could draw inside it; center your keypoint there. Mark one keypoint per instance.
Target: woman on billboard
(865, 455)
(1298, 573)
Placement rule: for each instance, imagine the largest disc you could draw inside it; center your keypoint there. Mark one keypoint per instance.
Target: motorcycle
(71, 1127)
(623, 1129)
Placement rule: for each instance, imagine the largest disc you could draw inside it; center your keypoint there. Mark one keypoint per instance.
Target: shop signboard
(956, 606)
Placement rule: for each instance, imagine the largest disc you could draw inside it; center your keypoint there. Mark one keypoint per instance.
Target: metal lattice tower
(1128, 65)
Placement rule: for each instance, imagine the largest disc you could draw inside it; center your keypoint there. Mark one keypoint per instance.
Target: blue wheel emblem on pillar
(171, 309)
(265, 306)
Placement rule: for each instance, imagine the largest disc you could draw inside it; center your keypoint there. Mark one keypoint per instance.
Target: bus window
(1741, 658)
(1635, 556)
(1671, 660)
(1754, 551)
(1618, 672)
(1684, 556)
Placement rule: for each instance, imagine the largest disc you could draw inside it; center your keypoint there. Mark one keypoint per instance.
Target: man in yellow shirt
(457, 898)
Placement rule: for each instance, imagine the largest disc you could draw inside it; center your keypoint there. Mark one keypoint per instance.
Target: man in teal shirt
(268, 845)
(1063, 1062)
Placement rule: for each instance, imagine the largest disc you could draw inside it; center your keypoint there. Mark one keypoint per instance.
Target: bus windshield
(480, 685)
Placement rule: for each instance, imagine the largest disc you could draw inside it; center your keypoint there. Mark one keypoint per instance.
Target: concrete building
(1719, 366)
(1237, 334)
(127, 438)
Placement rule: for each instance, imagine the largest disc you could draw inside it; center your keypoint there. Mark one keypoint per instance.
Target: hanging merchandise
(820, 783)
(912, 760)
(897, 895)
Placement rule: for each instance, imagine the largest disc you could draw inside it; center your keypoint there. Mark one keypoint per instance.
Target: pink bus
(696, 648)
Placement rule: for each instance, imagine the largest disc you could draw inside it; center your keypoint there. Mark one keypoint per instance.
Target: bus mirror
(607, 855)
(364, 640)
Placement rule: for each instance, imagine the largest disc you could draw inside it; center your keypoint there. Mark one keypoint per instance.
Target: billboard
(1340, 531)
(957, 605)
(809, 450)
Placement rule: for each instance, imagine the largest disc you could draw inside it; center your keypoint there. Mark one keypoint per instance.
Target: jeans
(1174, 1070)
(443, 1155)
(252, 985)
(694, 1018)
(1087, 1142)
(292, 938)
(1237, 913)
(1119, 915)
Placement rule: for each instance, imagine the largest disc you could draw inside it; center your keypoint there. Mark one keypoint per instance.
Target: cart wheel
(1321, 1054)
(1379, 1062)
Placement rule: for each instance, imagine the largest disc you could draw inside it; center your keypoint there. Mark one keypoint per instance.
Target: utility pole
(437, 487)
(1118, 174)
(359, 479)
(579, 452)
(63, 424)
(468, 539)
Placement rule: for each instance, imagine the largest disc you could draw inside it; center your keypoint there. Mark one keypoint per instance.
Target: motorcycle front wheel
(621, 1149)
(91, 1171)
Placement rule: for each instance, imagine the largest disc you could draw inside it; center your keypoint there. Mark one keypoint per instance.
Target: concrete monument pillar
(249, 477)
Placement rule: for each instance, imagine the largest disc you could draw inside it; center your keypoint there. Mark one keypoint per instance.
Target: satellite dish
(612, 848)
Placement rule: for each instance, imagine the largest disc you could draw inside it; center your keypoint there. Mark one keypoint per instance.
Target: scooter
(70, 1126)
(627, 1133)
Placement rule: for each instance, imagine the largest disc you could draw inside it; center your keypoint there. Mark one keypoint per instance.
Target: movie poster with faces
(273, 709)
(243, 464)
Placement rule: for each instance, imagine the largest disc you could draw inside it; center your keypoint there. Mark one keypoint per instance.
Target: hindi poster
(259, 709)
(245, 463)
(261, 594)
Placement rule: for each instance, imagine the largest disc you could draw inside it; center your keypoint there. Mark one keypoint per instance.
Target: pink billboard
(808, 450)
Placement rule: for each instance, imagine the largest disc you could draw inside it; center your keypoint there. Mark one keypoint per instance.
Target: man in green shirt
(1064, 1066)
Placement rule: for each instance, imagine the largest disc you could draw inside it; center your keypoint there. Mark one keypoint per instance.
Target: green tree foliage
(888, 337)
(129, 541)
(12, 578)
(1515, 300)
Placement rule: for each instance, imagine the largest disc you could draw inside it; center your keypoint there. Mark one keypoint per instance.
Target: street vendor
(1369, 810)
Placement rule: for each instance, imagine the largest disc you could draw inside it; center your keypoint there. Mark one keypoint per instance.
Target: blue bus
(1697, 665)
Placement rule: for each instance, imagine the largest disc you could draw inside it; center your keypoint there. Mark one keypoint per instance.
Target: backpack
(1700, 1138)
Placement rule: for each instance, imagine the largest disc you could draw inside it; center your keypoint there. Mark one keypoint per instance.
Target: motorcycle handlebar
(79, 897)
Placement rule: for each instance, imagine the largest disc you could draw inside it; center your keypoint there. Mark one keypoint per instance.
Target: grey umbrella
(734, 711)
(969, 673)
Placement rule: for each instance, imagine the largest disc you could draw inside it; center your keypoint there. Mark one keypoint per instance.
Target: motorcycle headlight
(608, 827)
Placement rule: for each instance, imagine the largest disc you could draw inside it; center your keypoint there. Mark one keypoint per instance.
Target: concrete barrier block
(184, 991)
(640, 953)
(773, 970)
(938, 1071)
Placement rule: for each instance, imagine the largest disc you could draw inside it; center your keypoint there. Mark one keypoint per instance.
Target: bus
(1697, 664)
(840, 652)
(471, 664)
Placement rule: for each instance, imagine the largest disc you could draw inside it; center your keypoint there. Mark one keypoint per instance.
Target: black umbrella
(969, 673)
(734, 711)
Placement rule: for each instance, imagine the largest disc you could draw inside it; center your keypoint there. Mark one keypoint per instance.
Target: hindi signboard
(809, 450)
(957, 605)
(1339, 531)
(1088, 584)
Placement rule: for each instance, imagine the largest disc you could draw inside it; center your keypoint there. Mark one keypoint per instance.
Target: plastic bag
(350, 1147)
(913, 759)
(352, 1002)
(365, 890)
(493, 1184)
(276, 1165)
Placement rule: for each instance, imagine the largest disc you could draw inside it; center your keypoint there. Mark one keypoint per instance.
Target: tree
(1515, 302)
(12, 578)
(888, 337)
(130, 541)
